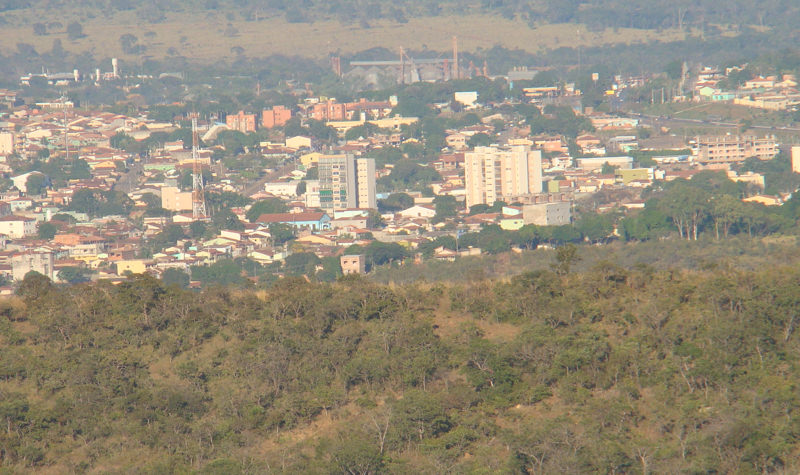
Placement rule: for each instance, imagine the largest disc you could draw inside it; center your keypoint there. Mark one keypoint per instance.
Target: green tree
(266, 206)
(302, 263)
(75, 30)
(73, 275)
(281, 233)
(395, 202)
(225, 219)
(197, 229)
(35, 184)
(419, 415)
(479, 139)
(565, 256)
(46, 231)
(223, 272)
(446, 206)
(175, 276)
(356, 454)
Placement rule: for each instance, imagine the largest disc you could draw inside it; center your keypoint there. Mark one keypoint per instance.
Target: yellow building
(173, 199)
(766, 200)
(512, 224)
(134, 266)
(310, 159)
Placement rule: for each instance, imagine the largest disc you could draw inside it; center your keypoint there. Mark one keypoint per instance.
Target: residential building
(21, 181)
(597, 163)
(310, 220)
(278, 116)
(734, 148)
(17, 227)
(494, 173)
(353, 264)
(346, 182)
(6, 143)
(466, 98)
(242, 122)
(298, 142)
(547, 214)
(173, 199)
(36, 261)
(329, 110)
(796, 158)
(282, 188)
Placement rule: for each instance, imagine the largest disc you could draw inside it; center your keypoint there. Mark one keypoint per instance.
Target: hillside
(606, 370)
(209, 37)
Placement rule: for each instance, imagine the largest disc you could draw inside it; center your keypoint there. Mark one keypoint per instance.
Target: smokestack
(75, 75)
(115, 67)
(97, 75)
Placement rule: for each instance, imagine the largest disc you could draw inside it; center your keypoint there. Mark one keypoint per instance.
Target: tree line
(612, 369)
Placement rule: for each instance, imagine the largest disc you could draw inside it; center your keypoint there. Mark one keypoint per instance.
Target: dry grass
(202, 37)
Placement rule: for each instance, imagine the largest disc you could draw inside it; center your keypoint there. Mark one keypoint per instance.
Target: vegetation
(615, 369)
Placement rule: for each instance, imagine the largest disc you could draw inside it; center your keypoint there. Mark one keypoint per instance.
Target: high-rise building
(501, 173)
(796, 158)
(346, 182)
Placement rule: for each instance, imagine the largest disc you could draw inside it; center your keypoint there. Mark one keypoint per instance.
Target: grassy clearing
(203, 37)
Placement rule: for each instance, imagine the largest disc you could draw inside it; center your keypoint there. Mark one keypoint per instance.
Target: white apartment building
(494, 173)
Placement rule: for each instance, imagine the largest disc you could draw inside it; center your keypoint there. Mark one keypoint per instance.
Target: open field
(210, 37)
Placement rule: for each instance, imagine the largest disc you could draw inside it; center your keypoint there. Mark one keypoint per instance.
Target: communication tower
(198, 195)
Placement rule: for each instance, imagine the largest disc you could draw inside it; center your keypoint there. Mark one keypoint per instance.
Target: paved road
(258, 185)
(130, 180)
(715, 123)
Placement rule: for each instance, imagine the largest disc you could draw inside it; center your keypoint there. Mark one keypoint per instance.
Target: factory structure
(74, 77)
(406, 70)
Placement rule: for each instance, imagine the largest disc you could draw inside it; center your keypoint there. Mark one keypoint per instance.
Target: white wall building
(41, 262)
(17, 227)
(493, 173)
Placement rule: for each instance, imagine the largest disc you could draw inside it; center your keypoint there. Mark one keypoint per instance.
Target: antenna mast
(66, 125)
(198, 196)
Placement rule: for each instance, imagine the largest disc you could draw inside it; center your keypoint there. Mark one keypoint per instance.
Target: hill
(207, 38)
(609, 369)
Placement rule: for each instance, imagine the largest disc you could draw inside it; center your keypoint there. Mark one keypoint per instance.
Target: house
(457, 141)
(766, 200)
(298, 142)
(466, 98)
(17, 227)
(42, 262)
(547, 214)
(315, 221)
(418, 211)
(353, 264)
(133, 266)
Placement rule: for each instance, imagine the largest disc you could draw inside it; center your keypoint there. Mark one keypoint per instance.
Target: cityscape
(337, 237)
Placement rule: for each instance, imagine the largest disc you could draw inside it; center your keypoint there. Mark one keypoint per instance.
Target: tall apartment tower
(796, 158)
(500, 173)
(346, 182)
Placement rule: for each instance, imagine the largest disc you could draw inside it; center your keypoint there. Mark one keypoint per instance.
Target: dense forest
(610, 369)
